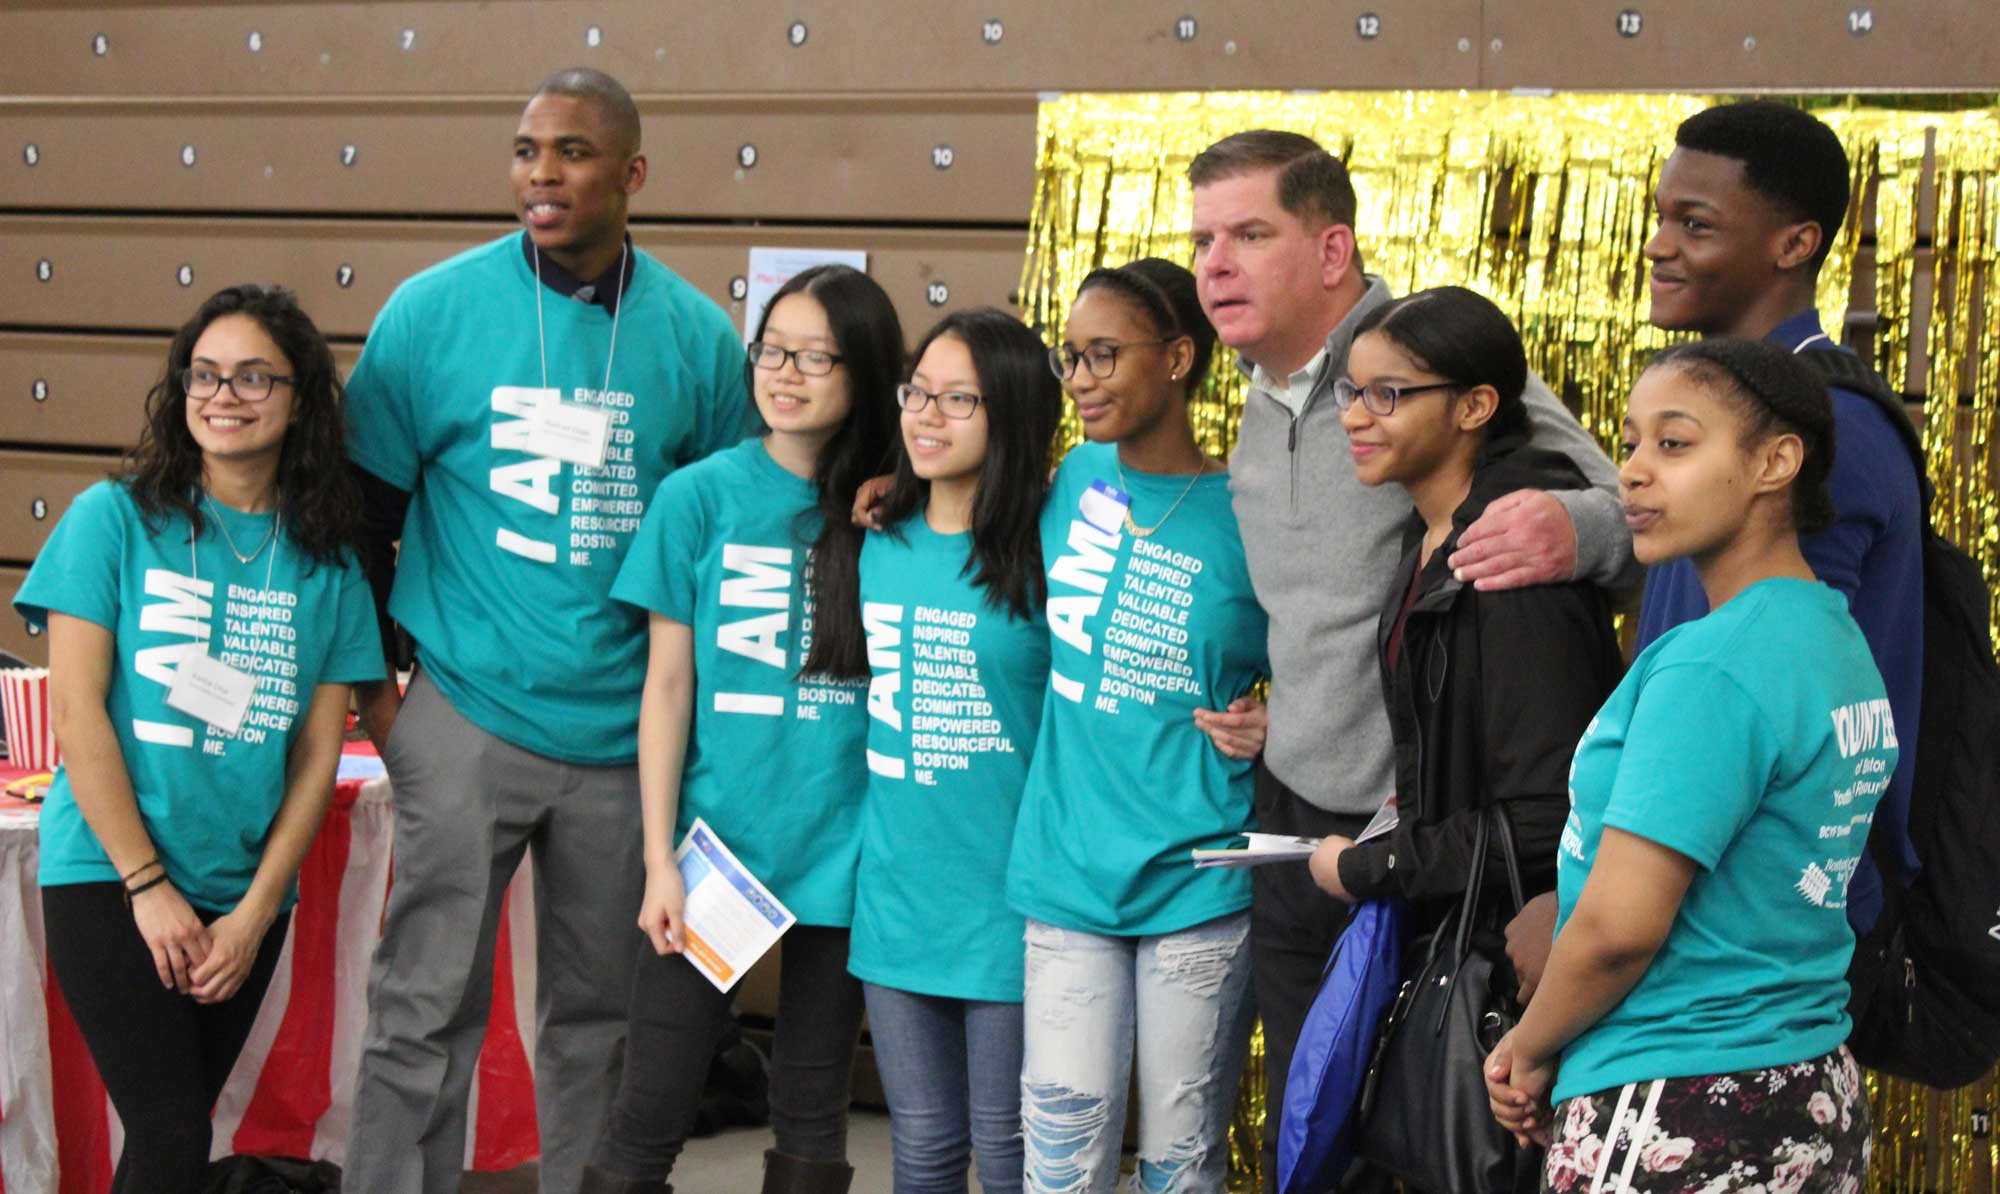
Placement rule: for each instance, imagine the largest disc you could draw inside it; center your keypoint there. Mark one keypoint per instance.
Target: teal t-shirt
(207, 799)
(508, 557)
(774, 762)
(1143, 631)
(954, 700)
(1755, 741)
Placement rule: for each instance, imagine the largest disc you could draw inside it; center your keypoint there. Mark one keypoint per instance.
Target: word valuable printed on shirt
(1865, 733)
(756, 577)
(1143, 650)
(248, 691)
(593, 436)
(951, 717)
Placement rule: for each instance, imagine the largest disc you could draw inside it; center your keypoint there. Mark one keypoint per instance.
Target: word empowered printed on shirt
(258, 638)
(605, 503)
(1142, 645)
(951, 716)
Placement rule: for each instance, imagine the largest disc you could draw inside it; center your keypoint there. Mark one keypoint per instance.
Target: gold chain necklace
(1143, 532)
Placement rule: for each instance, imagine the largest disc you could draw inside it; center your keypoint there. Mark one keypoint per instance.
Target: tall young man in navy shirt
(1749, 204)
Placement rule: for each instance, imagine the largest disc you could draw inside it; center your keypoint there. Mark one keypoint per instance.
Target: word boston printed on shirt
(763, 578)
(258, 640)
(592, 434)
(951, 717)
(1145, 645)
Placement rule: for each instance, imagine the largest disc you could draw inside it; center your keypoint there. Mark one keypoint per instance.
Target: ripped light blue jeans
(1184, 999)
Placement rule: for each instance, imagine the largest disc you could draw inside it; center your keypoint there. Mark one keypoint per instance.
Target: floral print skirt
(1792, 1129)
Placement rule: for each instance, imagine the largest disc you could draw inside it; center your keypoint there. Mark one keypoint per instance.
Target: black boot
(785, 1174)
(603, 1181)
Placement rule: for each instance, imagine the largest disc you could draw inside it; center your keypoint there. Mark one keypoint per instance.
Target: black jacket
(1491, 692)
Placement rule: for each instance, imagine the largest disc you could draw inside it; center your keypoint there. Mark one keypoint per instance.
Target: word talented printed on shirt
(258, 637)
(1145, 639)
(605, 502)
(951, 716)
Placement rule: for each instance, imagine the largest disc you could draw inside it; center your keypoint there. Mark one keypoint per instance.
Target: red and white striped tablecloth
(292, 1092)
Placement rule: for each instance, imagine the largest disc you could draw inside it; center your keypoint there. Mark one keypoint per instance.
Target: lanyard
(617, 309)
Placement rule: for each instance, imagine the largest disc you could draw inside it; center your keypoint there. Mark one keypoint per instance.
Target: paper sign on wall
(772, 268)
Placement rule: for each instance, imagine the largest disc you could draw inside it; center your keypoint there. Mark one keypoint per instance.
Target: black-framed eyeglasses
(953, 404)
(1379, 396)
(1099, 356)
(813, 362)
(251, 385)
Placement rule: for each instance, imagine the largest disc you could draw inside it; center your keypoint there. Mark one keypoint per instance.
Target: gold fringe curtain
(1542, 204)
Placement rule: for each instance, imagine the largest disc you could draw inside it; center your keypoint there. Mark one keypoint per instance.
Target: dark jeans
(951, 1069)
(164, 1058)
(677, 1019)
(1293, 925)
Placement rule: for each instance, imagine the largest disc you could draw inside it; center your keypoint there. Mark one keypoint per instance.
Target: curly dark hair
(1789, 157)
(1777, 394)
(317, 498)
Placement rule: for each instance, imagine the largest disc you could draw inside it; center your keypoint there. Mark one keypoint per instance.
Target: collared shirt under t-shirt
(508, 555)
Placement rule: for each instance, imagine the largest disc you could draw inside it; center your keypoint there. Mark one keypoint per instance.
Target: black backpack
(1926, 980)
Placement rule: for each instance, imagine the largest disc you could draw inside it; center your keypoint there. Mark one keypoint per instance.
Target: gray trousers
(467, 805)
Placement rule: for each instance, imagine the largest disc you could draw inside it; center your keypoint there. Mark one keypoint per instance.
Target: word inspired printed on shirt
(1144, 640)
(759, 578)
(258, 638)
(951, 717)
(605, 502)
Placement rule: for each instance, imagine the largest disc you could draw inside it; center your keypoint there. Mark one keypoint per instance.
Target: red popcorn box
(31, 732)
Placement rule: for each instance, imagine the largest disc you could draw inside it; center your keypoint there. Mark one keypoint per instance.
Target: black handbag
(1424, 1112)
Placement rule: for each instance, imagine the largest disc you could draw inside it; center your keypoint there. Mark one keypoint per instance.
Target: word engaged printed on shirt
(1865, 732)
(258, 638)
(951, 718)
(605, 502)
(1144, 640)
(755, 577)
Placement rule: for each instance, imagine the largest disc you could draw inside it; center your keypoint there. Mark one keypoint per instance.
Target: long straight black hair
(1023, 404)
(317, 497)
(869, 339)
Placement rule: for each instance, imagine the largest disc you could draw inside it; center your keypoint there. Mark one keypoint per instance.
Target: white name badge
(573, 434)
(210, 689)
(1103, 506)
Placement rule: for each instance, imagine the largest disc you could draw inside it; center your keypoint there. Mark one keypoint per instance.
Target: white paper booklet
(1259, 848)
(1383, 823)
(731, 919)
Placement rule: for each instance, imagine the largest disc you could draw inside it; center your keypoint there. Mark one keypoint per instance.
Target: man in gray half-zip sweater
(1281, 278)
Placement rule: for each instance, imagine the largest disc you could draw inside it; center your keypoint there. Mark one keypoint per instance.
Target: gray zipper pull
(1292, 436)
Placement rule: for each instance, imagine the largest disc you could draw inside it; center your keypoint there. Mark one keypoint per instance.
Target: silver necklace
(231, 541)
(1143, 532)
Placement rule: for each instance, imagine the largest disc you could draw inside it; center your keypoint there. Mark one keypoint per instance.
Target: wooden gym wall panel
(1729, 45)
(14, 634)
(810, 46)
(76, 391)
(106, 273)
(932, 158)
(35, 489)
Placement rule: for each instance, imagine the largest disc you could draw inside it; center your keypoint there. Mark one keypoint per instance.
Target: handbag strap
(1510, 858)
(1468, 902)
